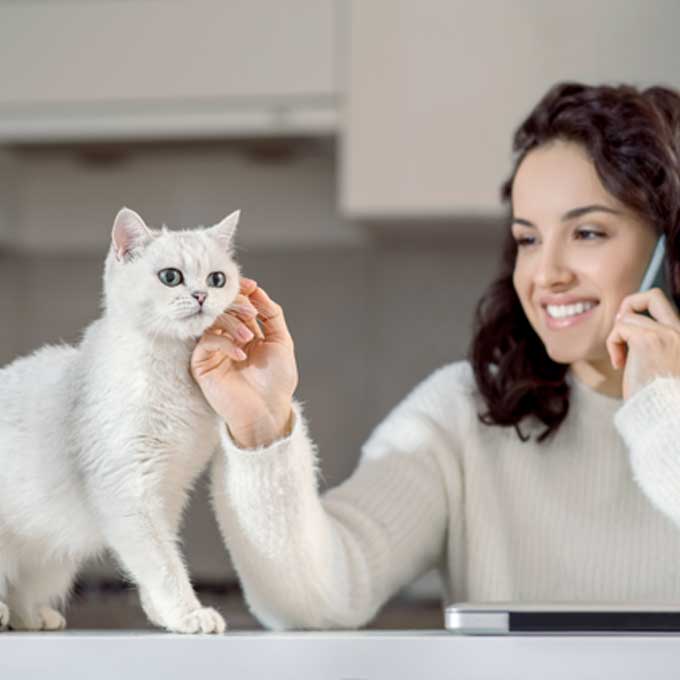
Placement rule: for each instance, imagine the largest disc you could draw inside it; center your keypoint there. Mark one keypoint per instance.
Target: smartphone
(655, 276)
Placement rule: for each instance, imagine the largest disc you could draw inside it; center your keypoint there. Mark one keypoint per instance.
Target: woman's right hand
(249, 378)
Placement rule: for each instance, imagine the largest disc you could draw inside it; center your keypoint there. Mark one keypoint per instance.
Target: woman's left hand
(645, 348)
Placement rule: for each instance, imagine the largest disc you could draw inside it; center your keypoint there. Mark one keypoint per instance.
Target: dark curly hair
(632, 137)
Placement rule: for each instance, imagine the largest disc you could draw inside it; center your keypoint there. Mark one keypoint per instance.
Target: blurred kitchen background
(364, 141)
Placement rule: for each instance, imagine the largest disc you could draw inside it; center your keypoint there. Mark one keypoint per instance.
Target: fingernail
(249, 282)
(244, 333)
(240, 354)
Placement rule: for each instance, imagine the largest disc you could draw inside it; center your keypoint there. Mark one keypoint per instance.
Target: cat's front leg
(196, 625)
(4, 609)
(40, 585)
(148, 608)
(147, 549)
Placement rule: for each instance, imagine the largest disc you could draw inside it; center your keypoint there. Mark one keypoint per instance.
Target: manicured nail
(240, 354)
(243, 333)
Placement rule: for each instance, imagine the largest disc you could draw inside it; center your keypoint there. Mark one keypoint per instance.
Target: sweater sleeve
(307, 561)
(649, 423)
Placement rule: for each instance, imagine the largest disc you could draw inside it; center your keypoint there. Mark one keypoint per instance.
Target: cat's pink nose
(200, 297)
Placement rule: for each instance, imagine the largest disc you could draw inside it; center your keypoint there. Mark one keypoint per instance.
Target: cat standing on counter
(101, 443)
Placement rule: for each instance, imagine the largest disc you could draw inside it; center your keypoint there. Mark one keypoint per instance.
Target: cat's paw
(203, 620)
(44, 618)
(4, 616)
(51, 619)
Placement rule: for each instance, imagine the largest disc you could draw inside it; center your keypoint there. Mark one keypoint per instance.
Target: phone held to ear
(655, 276)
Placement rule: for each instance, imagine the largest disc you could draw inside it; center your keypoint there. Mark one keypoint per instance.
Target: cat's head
(170, 284)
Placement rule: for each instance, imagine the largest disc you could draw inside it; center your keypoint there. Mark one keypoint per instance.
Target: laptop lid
(507, 618)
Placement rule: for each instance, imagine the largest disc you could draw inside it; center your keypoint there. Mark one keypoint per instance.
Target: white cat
(101, 443)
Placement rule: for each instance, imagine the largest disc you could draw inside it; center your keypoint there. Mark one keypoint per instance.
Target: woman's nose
(552, 269)
(200, 296)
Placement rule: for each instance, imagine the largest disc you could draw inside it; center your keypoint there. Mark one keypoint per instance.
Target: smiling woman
(596, 180)
(588, 510)
(590, 257)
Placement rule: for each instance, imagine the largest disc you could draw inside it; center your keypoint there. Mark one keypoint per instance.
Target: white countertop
(373, 655)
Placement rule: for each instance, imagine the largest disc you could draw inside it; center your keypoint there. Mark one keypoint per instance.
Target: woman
(545, 468)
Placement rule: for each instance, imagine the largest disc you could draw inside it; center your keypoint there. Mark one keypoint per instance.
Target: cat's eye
(170, 276)
(216, 279)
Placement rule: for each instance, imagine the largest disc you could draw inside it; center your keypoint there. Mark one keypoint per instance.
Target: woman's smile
(559, 317)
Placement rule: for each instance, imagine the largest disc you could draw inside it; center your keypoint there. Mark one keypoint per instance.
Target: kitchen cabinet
(162, 69)
(435, 89)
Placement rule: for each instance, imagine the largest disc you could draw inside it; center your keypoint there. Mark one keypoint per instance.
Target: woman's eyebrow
(574, 213)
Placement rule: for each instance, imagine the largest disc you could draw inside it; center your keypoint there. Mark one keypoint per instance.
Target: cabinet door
(437, 87)
(162, 61)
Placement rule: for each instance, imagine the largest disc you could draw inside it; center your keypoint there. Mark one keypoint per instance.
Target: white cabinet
(436, 88)
(166, 68)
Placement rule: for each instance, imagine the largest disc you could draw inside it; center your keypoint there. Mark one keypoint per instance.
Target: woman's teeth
(563, 311)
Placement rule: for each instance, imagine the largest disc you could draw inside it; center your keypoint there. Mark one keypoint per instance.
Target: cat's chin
(182, 330)
(194, 326)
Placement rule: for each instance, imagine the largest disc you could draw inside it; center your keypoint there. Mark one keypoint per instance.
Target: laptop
(514, 618)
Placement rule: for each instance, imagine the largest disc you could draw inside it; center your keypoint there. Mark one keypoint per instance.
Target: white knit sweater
(592, 514)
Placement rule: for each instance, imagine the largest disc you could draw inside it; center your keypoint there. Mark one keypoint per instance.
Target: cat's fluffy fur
(101, 443)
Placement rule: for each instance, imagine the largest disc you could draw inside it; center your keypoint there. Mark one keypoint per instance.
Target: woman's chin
(570, 355)
(563, 355)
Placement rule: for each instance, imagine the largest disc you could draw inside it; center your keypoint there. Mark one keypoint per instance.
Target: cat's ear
(129, 232)
(225, 230)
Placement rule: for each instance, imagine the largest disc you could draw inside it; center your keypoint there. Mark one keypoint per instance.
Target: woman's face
(580, 252)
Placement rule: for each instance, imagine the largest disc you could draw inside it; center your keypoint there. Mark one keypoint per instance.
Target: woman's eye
(216, 279)
(528, 240)
(170, 276)
(589, 234)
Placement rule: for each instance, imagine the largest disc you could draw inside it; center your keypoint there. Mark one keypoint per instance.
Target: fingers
(630, 328)
(227, 323)
(653, 301)
(271, 316)
(630, 325)
(210, 344)
(243, 306)
(251, 305)
(249, 320)
(247, 285)
(617, 345)
(248, 311)
(239, 319)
